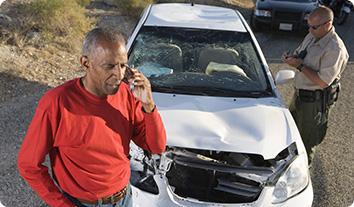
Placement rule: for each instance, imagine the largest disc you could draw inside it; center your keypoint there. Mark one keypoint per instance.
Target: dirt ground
(26, 73)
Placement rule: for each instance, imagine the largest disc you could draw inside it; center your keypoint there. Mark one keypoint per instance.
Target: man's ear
(330, 24)
(84, 62)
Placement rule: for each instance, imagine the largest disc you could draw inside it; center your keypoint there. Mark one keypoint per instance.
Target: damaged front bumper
(166, 198)
(190, 177)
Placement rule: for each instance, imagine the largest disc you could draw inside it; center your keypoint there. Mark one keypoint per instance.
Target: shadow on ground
(19, 99)
(319, 187)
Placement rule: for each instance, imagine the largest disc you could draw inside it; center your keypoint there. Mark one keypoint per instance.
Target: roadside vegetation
(133, 7)
(63, 23)
(43, 22)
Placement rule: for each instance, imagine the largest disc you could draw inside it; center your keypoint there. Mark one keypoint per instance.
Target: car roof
(194, 16)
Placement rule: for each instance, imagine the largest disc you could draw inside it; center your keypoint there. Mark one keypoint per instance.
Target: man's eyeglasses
(314, 27)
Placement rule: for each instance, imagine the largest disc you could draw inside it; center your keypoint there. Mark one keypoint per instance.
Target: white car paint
(247, 125)
(284, 76)
(197, 16)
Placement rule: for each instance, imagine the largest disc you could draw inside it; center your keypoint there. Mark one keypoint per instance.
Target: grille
(212, 186)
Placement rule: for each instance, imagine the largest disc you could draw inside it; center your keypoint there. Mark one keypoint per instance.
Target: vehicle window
(199, 61)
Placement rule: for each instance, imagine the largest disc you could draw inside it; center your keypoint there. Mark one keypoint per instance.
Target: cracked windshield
(199, 62)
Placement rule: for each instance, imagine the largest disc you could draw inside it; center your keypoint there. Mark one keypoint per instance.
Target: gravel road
(332, 172)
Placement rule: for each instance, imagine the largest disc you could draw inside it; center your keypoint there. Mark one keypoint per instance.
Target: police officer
(320, 60)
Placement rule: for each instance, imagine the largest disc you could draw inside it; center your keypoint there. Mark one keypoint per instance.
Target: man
(86, 125)
(320, 60)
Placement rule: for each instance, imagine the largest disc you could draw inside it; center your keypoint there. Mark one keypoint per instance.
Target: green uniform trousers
(311, 119)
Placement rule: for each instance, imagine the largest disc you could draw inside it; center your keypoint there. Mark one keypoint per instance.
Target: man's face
(107, 67)
(317, 27)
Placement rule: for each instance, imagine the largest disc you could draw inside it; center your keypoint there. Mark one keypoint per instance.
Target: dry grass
(83, 2)
(65, 23)
(131, 7)
(42, 22)
(246, 4)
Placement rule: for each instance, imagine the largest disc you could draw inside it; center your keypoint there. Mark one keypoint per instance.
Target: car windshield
(199, 62)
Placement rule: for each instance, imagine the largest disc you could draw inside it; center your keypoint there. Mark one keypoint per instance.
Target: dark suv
(287, 15)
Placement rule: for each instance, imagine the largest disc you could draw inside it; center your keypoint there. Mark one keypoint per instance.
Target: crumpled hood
(247, 125)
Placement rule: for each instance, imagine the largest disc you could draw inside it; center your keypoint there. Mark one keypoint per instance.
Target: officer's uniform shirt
(327, 56)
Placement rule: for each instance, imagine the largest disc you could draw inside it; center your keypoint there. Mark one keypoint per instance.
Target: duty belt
(309, 95)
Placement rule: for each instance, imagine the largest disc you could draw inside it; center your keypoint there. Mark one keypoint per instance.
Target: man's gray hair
(98, 34)
(322, 12)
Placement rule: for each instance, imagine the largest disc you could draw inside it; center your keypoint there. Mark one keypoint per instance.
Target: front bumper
(166, 198)
(274, 23)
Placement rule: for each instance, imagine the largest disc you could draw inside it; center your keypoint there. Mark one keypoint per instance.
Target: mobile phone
(128, 75)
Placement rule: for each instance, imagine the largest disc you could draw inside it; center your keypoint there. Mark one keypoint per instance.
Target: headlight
(142, 170)
(137, 158)
(293, 181)
(262, 13)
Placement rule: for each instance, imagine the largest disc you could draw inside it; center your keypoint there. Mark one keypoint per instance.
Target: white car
(231, 141)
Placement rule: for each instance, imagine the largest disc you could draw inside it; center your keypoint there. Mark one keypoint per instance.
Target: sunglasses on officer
(315, 27)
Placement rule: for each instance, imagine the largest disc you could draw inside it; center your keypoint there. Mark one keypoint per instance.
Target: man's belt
(107, 200)
(309, 95)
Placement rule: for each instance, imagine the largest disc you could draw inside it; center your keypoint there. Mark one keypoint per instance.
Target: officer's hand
(292, 61)
(285, 56)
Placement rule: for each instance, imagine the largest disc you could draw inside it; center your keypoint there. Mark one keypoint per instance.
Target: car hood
(290, 5)
(247, 125)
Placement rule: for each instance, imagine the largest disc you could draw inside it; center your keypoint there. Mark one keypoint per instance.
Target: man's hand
(291, 60)
(142, 90)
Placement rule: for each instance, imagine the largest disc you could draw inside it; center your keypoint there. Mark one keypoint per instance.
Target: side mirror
(284, 76)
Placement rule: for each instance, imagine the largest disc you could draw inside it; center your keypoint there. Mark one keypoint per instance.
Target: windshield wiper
(234, 93)
(179, 90)
(210, 91)
(261, 93)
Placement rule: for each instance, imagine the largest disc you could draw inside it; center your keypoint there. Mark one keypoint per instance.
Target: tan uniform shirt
(328, 56)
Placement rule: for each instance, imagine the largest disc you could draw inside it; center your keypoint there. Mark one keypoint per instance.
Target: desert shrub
(133, 7)
(83, 2)
(62, 22)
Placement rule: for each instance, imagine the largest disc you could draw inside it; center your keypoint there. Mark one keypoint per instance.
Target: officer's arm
(313, 76)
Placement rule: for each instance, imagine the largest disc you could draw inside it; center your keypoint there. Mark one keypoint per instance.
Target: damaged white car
(231, 141)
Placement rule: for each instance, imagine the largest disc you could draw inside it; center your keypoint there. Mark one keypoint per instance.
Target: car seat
(217, 55)
(168, 55)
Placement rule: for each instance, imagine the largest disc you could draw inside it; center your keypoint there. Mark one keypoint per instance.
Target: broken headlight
(263, 13)
(143, 168)
(293, 181)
